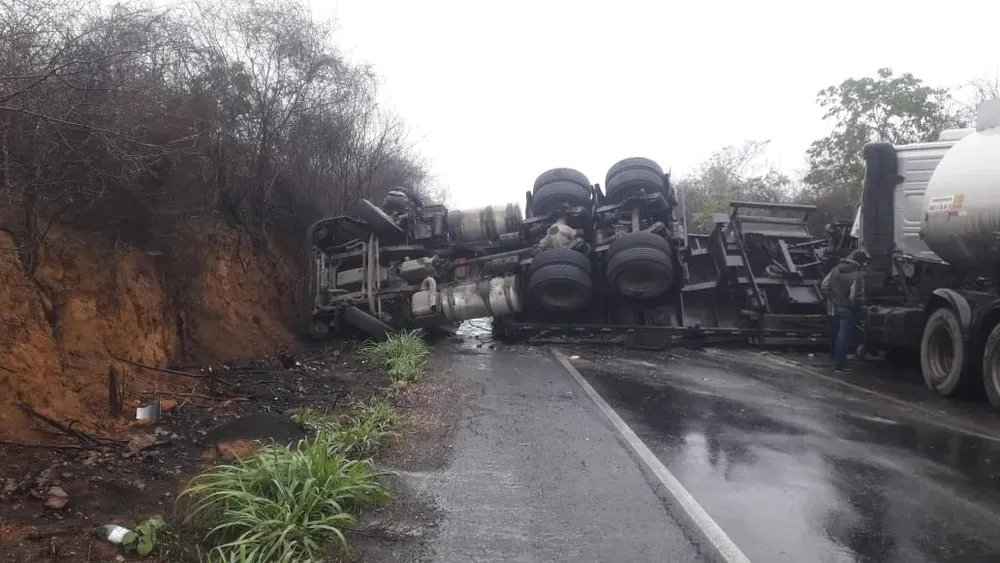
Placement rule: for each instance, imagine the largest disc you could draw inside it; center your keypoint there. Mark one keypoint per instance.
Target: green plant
(379, 412)
(281, 505)
(365, 430)
(356, 435)
(313, 421)
(403, 353)
(143, 540)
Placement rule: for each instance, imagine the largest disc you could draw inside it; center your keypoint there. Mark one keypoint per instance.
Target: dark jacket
(845, 285)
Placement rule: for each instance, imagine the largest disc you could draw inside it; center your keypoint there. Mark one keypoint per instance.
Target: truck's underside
(599, 265)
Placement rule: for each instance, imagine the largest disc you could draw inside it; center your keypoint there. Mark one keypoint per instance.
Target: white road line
(713, 535)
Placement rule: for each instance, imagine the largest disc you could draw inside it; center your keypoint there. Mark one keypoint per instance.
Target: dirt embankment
(212, 299)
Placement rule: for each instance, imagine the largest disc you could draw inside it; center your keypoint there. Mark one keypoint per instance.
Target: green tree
(735, 172)
(895, 109)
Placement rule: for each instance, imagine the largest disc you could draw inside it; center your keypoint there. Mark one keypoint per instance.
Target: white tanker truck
(930, 219)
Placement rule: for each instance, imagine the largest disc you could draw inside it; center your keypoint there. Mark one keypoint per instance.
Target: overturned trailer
(601, 264)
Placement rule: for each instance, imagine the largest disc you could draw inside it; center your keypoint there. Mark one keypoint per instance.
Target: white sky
(496, 93)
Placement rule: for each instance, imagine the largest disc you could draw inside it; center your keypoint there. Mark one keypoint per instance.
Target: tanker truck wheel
(991, 368)
(558, 188)
(942, 354)
(559, 279)
(630, 176)
(400, 200)
(640, 266)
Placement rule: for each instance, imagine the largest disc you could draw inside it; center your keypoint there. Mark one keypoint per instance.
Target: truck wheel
(991, 368)
(561, 174)
(400, 200)
(559, 280)
(640, 266)
(942, 354)
(559, 188)
(629, 176)
(559, 256)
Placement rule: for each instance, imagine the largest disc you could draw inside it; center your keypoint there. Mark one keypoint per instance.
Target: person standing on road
(844, 286)
(831, 312)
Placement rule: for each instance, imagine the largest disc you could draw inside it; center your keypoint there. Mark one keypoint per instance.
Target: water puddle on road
(962, 457)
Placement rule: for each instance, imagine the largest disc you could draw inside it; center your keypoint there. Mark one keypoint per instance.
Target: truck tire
(560, 256)
(943, 355)
(640, 266)
(991, 368)
(563, 175)
(560, 280)
(630, 176)
(558, 194)
(396, 203)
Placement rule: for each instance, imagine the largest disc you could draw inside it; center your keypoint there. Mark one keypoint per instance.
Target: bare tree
(968, 96)
(128, 119)
(78, 88)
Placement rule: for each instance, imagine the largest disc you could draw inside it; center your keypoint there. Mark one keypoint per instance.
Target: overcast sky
(496, 93)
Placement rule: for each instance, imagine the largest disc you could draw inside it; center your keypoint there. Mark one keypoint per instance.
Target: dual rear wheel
(639, 268)
(947, 364)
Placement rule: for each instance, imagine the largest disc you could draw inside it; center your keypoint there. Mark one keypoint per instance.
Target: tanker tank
(961, 223)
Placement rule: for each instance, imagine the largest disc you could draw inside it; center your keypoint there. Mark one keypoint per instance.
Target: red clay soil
(125, 483)
(214, 299)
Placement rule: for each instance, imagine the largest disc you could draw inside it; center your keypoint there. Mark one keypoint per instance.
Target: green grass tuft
(285, 505)
(404, 354)
(357, 435)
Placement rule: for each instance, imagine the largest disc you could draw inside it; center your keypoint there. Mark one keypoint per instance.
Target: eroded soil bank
(126, 482)
(92, 300)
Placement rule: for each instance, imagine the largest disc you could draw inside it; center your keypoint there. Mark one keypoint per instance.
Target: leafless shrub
(131, 119)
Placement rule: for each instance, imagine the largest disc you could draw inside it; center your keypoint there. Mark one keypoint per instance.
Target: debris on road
(58, 499)
(139, 443)
(149, 413)
(119, 475)
(113, 533)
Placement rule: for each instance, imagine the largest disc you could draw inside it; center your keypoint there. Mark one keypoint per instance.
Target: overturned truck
(604, 263)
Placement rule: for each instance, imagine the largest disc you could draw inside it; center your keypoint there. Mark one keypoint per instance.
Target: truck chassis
(611, 265)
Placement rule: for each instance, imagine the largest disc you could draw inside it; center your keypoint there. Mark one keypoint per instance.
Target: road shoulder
(510, 461)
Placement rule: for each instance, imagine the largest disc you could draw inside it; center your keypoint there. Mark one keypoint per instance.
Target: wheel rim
(941, 355)
(561, 296)
(641, 282)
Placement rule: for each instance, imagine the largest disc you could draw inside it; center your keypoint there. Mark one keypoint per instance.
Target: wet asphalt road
(799, 468)
(536, 473)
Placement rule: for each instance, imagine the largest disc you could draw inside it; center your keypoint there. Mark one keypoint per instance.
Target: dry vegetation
(159, 165)
(129, 120)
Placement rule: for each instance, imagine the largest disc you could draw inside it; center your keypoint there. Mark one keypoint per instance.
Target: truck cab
(930, 219)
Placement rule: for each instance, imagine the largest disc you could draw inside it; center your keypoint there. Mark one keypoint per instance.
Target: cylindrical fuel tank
(494, 297)
(484, 223)
(961, 222)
